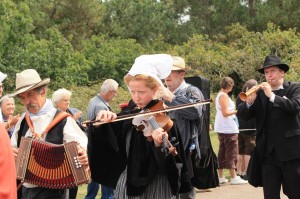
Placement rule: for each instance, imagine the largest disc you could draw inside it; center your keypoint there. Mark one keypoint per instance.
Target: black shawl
(108, 158)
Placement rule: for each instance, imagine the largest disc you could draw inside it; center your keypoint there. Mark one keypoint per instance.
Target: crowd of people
(147, 152)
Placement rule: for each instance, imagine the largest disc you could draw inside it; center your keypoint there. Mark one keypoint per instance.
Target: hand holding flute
(267, 88)
(250, 95)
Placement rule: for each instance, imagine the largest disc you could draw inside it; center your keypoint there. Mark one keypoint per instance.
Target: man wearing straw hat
(275, 162)
(189, 119)
(32, 92)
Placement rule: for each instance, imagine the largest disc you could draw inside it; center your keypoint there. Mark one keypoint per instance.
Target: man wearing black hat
(276, 108)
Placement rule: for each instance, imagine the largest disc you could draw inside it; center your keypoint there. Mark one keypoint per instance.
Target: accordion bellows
(50, 165)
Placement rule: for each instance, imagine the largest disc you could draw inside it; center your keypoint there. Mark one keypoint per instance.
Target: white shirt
(226, 125)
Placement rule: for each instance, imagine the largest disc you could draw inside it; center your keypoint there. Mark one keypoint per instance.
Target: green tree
(54, 57)
(15, 26)
(110, 58)
(77, 20)
(239, 53)
(283, 13)
(143, 21)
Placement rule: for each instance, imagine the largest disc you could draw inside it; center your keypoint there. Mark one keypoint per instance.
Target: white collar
(45, 109)
(182, 86)
(280, 87)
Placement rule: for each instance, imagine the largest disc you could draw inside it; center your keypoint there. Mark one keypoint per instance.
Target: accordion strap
(60, 116)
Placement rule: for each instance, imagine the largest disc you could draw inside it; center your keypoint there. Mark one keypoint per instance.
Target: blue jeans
(93, 187)
(92, 190)
(107, 192)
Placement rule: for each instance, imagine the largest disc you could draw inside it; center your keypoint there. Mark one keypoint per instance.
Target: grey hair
(4, 98)
(109, 85)
(249, 84)
(40, 88)
(59, 94)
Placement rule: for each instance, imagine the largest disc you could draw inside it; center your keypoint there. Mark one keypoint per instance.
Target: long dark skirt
(158, 189)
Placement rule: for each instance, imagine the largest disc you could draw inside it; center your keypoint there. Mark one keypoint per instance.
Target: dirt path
(228, 191)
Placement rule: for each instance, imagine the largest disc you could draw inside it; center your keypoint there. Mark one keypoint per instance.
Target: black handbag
(254, 171)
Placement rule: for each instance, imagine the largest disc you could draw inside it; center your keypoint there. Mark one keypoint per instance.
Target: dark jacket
(108, 158)
(243, 124)
(278, 123)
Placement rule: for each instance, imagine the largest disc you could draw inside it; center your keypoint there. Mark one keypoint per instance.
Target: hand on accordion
(83, 157)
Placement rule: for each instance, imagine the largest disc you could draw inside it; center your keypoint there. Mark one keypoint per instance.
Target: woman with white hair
(61, 100)
(7, 105)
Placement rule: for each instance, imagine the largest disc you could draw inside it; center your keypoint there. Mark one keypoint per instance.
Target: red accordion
(50, 165)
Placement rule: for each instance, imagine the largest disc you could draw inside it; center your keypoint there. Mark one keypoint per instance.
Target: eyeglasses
(65, 100)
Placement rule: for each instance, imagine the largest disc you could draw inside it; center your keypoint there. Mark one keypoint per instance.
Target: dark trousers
(42, 193)
(73, 193)
(276, 173)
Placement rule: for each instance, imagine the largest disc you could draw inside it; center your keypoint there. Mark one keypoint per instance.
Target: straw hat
(27, 80)
(178, 63)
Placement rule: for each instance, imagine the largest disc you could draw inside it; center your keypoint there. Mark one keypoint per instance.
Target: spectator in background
(2, 77)
(61, 99)
(7, 105)
(108, 92)
(247, 135)
(227, 128)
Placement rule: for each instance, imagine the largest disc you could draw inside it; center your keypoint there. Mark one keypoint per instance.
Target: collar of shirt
(182, 86)
(45, 109)
(103, 100)
(280, 87)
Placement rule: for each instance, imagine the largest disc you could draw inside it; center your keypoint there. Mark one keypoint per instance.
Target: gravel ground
(228, 191)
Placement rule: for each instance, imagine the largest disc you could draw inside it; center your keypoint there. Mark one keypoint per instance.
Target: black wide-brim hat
(273, 60)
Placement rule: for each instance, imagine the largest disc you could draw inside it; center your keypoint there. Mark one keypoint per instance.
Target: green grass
(82, 190)
(214, 141)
